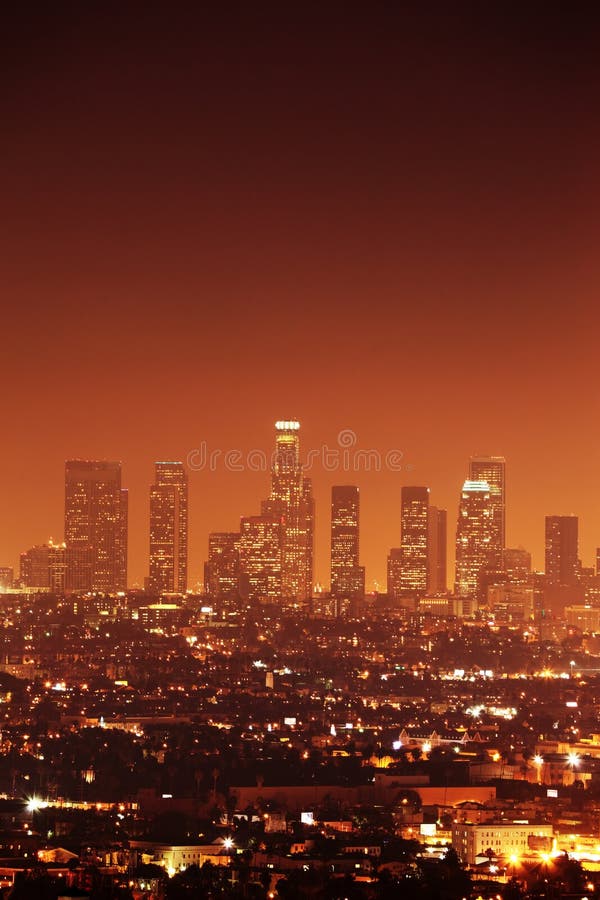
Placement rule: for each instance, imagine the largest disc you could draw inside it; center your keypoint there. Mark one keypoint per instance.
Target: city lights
(300, 520)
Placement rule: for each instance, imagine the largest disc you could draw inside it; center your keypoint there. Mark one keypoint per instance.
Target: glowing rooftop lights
(476, 487)
(287, 425)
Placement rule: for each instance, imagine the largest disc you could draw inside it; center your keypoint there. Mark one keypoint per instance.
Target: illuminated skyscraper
(562, 554)
(291, 502)
(261, 554)
(437, 550)
(222, 571)
(347, 576)
(475, 536)
(44, 566)
(414, 541)
(95, 526)
(492, 469)
(169, 528)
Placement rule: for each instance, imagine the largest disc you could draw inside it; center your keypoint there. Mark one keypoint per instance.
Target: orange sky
(385, 223)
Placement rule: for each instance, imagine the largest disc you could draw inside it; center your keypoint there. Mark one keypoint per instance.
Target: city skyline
(300, 531)
(364, 222)
(295, 458)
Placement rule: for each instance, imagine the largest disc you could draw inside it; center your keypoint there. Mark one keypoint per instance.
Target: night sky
(376, 220)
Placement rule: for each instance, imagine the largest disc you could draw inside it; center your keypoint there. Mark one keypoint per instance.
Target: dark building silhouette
(437, 550)
(562, 552)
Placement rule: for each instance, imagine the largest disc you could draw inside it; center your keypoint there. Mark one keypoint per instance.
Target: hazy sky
(370, 220)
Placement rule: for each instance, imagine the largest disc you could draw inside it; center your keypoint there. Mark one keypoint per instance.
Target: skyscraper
(169, 528)
(44, 566)
(292, 503)
(414, 541)
(517, 565)
(222, 570)
(95, 526)
(562, 554)
(437, 550)
(476, 533)
(394, 572)
(347, 576)
(492, 469)
(261, 553)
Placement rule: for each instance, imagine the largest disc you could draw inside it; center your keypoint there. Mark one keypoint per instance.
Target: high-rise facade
(261, 545)
(95, 526)
(347, 576)
(292, 503)
(562, 551)
(437, 550)
(475, 536)
(492, 470)
(7, 577)
(169, 528)
(394, 572)
(517, 565)
(44, 566)
(222, 570)
(414, 541)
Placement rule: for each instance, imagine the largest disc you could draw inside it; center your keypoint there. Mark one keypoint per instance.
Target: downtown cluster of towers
(271, 556)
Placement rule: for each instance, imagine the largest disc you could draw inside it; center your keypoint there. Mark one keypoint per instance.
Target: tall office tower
(222, 569)
(562, 561)
(437, 550)
(95, 526)
(517, 565)
(291, 501)
(44, 566)
(261, 554)
(476, 534)
(414, 541)
(169, 528)
(394, 572)
(492, 469)
(347, 576)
